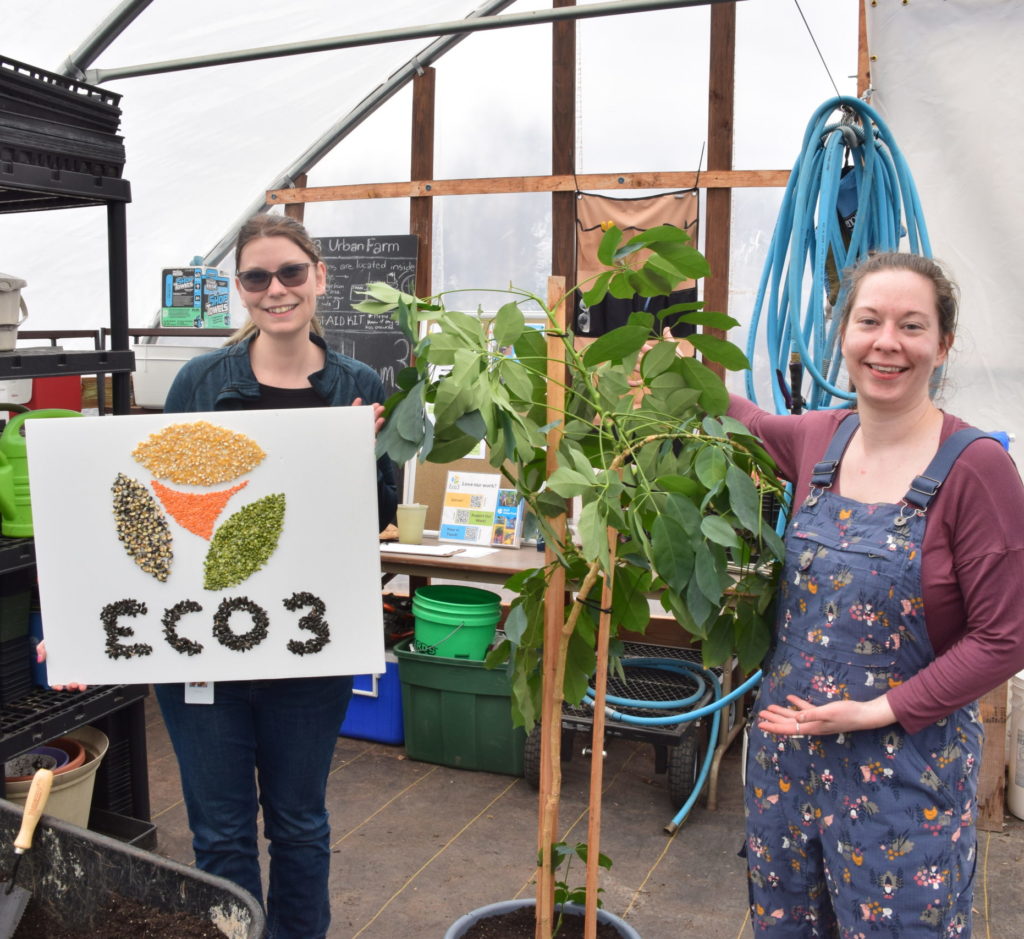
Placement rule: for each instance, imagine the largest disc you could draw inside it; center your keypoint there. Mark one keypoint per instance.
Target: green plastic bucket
(455, 622)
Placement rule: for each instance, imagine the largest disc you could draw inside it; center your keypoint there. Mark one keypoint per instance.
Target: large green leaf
(663, 234)
(598, 291)
(621, 286)
(752, 638)
(391, 442)
(676, 605)
(515, 376)
(700, 608)
(508, 325)
(609, 242)
(713, 395)
(452, 446)
(629, 598)
(579, 666)
(473, 424)
(709, 318)
(466, 326)
(661, 358)
(409, 416)
(686, 260)
(515, 623)
(744, 499)
(616, 345)
(672, 552)
(683, 511)
(567, 482)
(442, 348)
(718, 530)
(709, 576)
(717, 647)
(720, 350)
(710, 466)
(453, 398)
(593, 532)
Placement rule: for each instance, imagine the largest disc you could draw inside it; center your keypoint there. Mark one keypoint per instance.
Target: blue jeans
(266, 743)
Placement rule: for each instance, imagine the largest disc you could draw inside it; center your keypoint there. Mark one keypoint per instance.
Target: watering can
(13, 311)
(15, 501)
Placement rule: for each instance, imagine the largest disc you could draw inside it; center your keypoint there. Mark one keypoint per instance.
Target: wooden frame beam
(710, 179)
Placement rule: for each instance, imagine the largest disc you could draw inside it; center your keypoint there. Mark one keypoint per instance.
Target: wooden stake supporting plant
(672, 489)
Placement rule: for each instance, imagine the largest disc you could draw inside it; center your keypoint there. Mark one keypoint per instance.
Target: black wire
(796, 3)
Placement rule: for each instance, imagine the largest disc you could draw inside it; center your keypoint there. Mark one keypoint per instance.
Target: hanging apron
(871, 832)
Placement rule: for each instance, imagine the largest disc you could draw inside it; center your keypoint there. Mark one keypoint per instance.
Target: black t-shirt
(271, 398)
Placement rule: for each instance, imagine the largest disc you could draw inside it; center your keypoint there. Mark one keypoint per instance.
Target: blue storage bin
(375, 711)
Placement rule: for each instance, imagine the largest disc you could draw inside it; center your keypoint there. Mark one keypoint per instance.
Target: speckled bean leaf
(142, 527)
(244, 543)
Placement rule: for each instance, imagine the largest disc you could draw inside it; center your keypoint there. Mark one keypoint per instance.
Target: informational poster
(479, 510)
(352, 263)
(207, 547)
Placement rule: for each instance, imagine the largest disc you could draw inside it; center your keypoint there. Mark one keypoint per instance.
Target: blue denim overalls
(868, 833)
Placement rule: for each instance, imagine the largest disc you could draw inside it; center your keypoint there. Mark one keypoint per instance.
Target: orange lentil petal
(196, 512)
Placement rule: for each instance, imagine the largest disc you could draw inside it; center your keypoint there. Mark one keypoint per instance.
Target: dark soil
(522, 924)
(120, 918)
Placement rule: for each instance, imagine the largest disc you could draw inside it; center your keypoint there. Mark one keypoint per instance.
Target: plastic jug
(13, 311)
(15, 500)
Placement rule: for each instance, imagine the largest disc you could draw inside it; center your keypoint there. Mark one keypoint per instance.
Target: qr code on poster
(476, 502)
(460, 517)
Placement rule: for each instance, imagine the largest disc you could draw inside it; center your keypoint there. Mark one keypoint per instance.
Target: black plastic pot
(459, 927)
(72, 873)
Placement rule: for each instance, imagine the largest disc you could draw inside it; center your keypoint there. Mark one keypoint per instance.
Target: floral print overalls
(869, 833)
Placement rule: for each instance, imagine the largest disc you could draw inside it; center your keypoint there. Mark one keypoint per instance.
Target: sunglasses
(291, 275)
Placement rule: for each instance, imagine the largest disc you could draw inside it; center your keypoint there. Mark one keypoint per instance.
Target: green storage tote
(458, 713)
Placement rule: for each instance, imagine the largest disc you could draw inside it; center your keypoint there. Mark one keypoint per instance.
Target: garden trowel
(14, 899)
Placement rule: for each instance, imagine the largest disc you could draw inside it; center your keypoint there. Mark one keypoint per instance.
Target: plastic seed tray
(42, 714)
(644, 684)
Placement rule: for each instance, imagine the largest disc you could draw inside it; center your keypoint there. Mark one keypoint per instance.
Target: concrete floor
(416, 844)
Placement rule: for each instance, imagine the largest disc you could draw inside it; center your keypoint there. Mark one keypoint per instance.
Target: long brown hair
(265, 225)
(947, 296)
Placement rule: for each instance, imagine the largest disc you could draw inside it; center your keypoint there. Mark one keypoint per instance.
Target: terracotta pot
(75, 751)
(461, 925)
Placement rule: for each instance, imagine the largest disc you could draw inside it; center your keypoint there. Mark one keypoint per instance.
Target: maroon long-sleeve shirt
(972, 562)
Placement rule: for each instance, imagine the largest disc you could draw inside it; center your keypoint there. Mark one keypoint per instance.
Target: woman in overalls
(898, 608)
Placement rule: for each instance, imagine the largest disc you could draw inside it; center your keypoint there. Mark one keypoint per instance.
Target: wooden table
(494, 568)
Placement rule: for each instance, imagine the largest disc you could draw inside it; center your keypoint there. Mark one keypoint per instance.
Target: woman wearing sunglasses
(269, 744)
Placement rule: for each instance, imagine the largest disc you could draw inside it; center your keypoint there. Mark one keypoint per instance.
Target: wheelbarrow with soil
(80, 880)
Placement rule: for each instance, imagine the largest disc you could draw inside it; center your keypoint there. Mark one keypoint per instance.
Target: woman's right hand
(41, 657)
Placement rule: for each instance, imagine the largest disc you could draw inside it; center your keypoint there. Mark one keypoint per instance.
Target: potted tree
(672, 489)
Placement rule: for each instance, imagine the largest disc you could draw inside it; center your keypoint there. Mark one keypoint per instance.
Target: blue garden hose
(703, 677)
(809, 234)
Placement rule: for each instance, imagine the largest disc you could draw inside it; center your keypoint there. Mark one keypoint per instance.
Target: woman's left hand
(41, 657)
(836, 717)
(378, 414)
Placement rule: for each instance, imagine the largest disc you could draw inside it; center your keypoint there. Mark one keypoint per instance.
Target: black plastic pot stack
(52, 121)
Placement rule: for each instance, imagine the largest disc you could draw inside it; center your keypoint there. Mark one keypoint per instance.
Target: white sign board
(207, 547)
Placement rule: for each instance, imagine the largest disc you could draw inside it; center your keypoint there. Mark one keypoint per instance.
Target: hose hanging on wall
(850, 193)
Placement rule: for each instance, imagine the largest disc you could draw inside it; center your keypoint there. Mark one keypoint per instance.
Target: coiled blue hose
(704, 677)
(809, 234)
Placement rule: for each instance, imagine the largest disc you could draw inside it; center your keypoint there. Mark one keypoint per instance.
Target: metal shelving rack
(31, 181)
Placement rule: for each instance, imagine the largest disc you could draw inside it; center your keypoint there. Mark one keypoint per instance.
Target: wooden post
(721, 80)
(604, 629)
(421, 208)
(554, 618)
(297, 210)
(863, 52)
(992, 774)
(563, 145)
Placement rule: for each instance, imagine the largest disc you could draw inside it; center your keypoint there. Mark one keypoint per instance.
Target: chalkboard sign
(352, 263)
